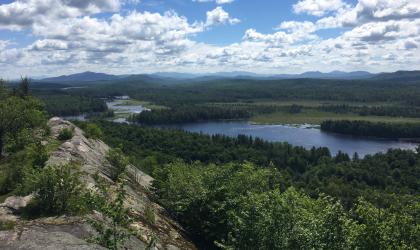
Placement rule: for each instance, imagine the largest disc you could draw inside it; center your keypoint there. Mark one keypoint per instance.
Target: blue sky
(51, 37)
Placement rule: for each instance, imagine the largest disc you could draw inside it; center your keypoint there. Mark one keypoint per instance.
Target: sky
(56, 37)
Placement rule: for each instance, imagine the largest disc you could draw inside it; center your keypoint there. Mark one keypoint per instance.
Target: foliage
(241, 207)
(6, 225)
(315, 170)
(19, 171)
(24, 86)
(189, 114)
(58, 191)
(112, 233)
(62, 104)
(377, 129)
(17, 114)
(118, 162)
(93, 131)
(391, 110)
(149, 214)
(65, 134)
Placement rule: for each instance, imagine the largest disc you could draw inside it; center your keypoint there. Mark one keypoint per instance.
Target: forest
(376, 129)
(228, 193)
(239, 192)
(261, 101)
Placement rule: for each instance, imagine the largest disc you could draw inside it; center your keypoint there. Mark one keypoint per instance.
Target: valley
(209, 125)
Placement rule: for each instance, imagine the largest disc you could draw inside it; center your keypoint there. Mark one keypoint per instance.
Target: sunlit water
(304, 136)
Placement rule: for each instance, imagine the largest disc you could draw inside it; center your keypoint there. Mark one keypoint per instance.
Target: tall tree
(24, 86)
(3, 89)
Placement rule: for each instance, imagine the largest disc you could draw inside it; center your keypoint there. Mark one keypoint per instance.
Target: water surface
(305, 136)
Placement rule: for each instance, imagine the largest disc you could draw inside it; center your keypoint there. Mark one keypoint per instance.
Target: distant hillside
(82, 77)
(408, 76)
(174, 77)
(330, 75)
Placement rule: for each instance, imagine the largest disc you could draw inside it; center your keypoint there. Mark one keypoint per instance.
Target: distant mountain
(82, 77)
(330, 75)
(175, 77)
(407, 76)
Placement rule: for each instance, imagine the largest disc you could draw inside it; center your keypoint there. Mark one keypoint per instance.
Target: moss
(65, 134)
(6, 225)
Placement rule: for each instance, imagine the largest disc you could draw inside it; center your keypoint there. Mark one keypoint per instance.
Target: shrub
(149, 214)
(65, 134)
(93, 131)
(118, 161)
(58, 191)
(110, 235)
(7, 225)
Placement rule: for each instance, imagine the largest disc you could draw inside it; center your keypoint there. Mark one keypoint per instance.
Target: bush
(118, 161)
(111, 205)
(93, 131)
(58, 191)
(65, 134)
(149, 214)
(7, 225)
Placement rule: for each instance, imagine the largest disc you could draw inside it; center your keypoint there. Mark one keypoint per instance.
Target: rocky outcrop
(73, 233)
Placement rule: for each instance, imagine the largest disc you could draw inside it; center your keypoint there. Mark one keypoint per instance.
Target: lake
(304, 136)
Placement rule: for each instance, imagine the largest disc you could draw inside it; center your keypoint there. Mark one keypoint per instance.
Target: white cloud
(219, 16)
(4, 44)
(380, 36)
(318, 7)
(216, 1)
(25, 13)
(294, 26)
(373, 10)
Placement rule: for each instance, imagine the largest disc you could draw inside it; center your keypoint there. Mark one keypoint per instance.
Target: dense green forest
(215, 99)
(376, 129)
(231, 90)
(238, 192)
(396, 111)
(229, 193)
(64, 105)
(59, 102)
(194, 113)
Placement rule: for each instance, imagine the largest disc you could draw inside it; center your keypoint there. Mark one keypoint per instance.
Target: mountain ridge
(89, 76)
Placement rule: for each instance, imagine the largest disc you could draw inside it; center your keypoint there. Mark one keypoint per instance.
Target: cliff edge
(74, 232)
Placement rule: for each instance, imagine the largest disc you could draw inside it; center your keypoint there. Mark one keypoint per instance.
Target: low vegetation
(65, 134)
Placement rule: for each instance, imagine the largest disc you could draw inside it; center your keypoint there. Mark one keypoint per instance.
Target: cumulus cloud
(24, 13)
(219, 16)
(378, 35)
(318, 7)
(367, 11)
